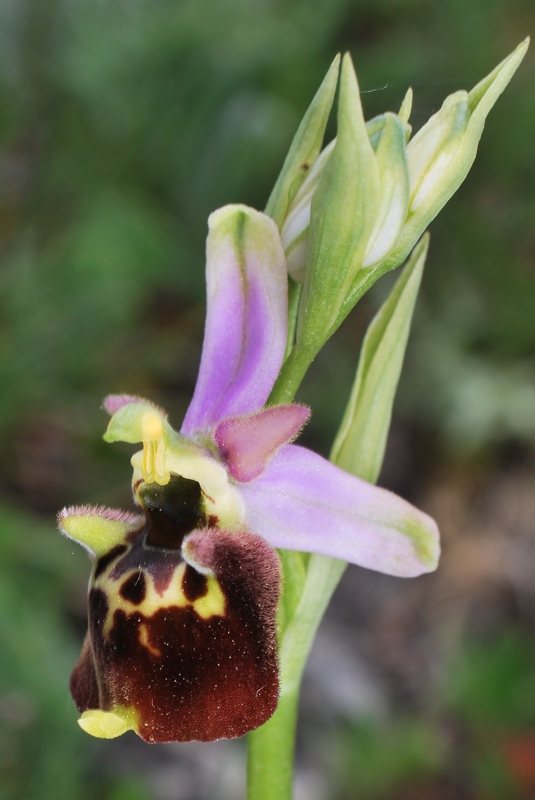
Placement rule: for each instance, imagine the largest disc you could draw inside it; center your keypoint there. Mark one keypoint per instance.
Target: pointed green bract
(343, 211)
(483, 96)
(305, 147)
(360, 444)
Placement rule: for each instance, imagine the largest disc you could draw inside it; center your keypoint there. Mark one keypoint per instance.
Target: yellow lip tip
(103, 724)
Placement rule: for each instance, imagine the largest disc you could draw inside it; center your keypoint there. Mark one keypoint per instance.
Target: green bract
(305, 147)
(360, 443)
(343, 213)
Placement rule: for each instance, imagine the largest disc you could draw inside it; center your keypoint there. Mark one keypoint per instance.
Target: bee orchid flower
(182, 640)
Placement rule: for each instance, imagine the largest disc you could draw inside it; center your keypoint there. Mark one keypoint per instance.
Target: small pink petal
(113, 402)
(247, 443)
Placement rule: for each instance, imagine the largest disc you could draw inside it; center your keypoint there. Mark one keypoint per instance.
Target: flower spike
(183, 594)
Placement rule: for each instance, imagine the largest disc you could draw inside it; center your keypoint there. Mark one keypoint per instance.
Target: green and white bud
(442, 152)
(343, 213)
(370, 196)
(382, 130)
(393, 168)
(432, 153)
(294, 231)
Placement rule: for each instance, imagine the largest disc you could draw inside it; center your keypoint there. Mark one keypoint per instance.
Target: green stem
(270, 756)
(294, 296)
(299, 358)
(292, 373)
(271, 747)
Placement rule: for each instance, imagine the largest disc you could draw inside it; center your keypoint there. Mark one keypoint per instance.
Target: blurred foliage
(381, 757)
(123, 123)
(478, 742)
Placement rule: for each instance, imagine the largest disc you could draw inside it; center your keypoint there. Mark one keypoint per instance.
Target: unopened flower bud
(442, 152)
(433, 152)
(391, 160)
(294, 232)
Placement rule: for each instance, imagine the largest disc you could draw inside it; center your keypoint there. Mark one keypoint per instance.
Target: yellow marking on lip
(108, 724)
(213, 603)
(144, 641)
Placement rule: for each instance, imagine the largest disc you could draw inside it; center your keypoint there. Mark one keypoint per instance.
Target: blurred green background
(123, 123)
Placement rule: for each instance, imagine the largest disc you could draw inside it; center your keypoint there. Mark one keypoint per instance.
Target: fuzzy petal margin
(98, 529)
(303, 502)
(246, 318)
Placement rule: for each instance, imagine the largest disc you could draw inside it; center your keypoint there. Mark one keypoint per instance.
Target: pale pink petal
(247, 443)
(303, 502)
(246, 318)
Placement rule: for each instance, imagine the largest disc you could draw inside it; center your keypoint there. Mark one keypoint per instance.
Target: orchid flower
(182, 640)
